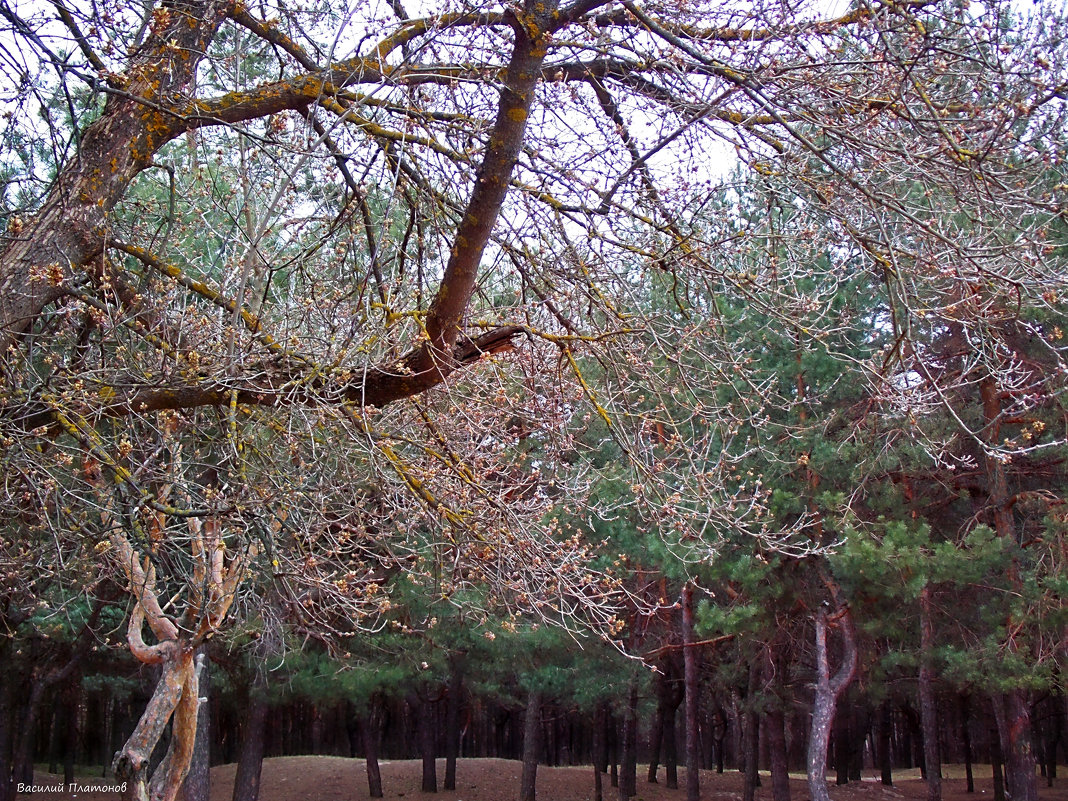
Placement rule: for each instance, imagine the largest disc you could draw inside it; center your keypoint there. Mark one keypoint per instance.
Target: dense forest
(589, 382)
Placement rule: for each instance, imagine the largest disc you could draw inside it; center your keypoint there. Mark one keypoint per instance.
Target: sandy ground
(337, 779)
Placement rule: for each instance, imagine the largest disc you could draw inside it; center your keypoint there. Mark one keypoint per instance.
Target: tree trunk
(656, 732)
(452, 720)
(966, 739)
(72, 698)
(827, 692)
(1015, 727)
(371, 726)
(250, 761)
(600, 752)
(671, 749)
(886, 761)
(31, 707)
(689, 656)
(68, 230)
(531, 747)
(1014, 719)
(751, 736)
(775, 726)
(751, 751)
(928, 704)
(427, 735)
(997, 765)
(628, 768)
(197, 784)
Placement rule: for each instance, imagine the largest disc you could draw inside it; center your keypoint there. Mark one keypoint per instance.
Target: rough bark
(1014, 724)
(531, 747)
(828, 689)
(693, 743)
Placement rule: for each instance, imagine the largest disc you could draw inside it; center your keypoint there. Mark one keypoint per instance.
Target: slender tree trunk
(886, 760)
(689, 656)
(628, 768)
(452, 720)
(842, 743)
(371, 727)
(997, 764)
(656, 732)
(31, 707)
(828, 690)
(671, 749)
(72, 699)
(600, 751)
(751, 736)
(531, 747)
(612, 735)
(928, 703)
(751, 750)
(250, 760)
(966, 739)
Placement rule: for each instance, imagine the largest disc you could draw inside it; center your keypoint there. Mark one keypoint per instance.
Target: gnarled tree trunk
(827, 692)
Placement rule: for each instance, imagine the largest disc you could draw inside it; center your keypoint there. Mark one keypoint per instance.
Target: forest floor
(320, 778)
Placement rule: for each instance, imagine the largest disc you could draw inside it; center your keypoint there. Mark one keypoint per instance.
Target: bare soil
(316, 778)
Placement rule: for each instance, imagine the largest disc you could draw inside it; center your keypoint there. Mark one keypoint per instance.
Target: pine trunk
(775, 725)
(827, 692)
(689, 656)
(670, 747)
(370, 725)
(452, 721)
(628, 768)
(966, 739)
(531, 747)
(928, 706)
(427, 734)
(997, 765)
(1020, 777)
(886, 757)
(250, 761)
